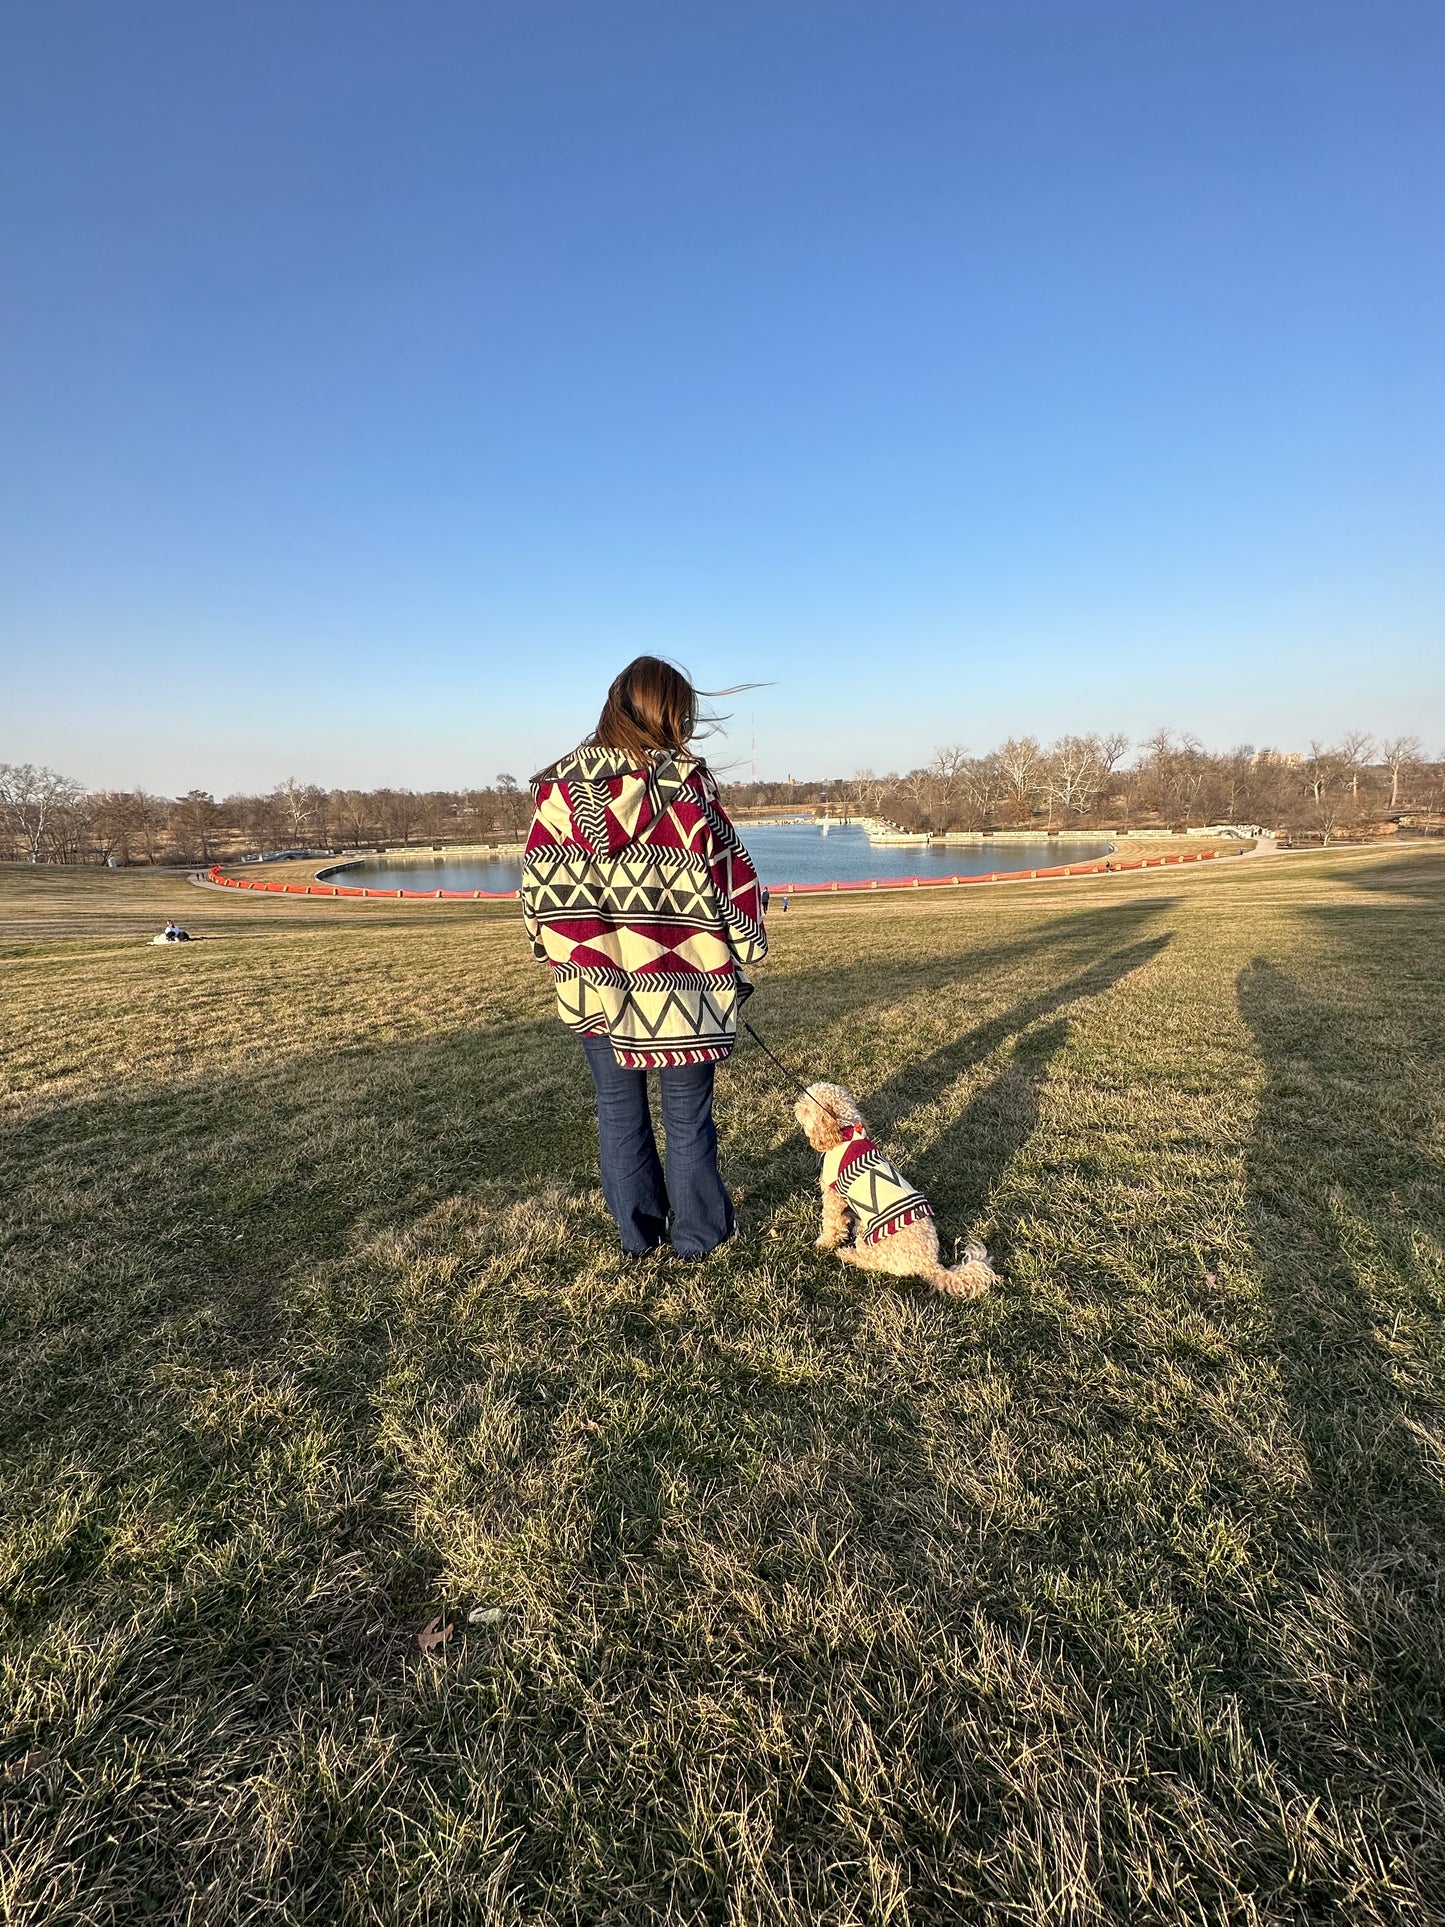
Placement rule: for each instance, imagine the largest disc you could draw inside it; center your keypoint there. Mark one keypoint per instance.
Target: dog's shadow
(960, 1168)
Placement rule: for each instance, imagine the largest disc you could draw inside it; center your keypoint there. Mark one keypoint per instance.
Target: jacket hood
(602, 798)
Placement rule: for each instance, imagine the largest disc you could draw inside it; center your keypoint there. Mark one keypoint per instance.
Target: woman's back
(639, 894)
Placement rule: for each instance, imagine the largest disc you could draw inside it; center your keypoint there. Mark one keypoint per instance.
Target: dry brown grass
(1112, 1597)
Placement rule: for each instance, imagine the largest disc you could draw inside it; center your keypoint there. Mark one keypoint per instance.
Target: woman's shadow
(1347, 1197)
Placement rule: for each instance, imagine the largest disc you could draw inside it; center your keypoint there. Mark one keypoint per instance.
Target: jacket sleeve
(739, 893)
(529, 911)
(533, 928)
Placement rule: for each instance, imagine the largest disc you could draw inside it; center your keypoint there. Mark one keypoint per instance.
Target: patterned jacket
(637, 892)
(881, 1200)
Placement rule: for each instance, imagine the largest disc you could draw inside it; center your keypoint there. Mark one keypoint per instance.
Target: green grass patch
(1115, 1596)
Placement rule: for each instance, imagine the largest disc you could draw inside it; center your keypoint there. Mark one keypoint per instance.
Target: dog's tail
(968, 1279)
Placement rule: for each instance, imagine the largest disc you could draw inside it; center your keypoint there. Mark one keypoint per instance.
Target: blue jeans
(637, 1194)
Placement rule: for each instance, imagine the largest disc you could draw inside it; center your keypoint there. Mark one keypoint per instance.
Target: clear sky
(378, 378)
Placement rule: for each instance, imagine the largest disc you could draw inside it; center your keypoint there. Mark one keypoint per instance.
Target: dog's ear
(826, 1131)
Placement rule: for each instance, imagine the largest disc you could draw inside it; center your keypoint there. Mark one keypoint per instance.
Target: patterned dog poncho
(881, 1199)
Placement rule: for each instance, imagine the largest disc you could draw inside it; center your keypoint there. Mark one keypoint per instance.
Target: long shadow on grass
(172, 1224)
(926, 1077)
(962, 1165)
(1415, 875)
(825, 995)
(1345, 1198)
(922, 1080)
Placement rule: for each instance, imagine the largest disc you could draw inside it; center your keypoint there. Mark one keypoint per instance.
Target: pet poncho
(881, 1199)
(638, 893)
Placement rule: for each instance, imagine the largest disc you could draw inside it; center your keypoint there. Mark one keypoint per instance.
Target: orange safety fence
(1100, 868)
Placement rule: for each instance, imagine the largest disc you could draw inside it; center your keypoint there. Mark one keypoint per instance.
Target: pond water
(783, 853)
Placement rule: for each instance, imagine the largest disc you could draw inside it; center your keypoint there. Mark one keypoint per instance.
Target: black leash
(794, 1081)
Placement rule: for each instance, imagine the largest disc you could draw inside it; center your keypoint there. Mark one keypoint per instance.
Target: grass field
(812, 1599)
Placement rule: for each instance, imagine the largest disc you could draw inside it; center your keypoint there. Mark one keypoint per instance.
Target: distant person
(173, 933)
(639, 894)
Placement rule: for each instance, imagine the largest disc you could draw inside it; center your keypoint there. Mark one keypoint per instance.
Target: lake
(783, 852)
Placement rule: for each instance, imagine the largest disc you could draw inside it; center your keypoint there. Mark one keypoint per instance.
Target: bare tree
(1401, 755)
(398, 812)
(947, 770)
(1353, 750)
(1021, 760)
(984, 786)
(149, 815)
(1322, 770)
(478, 811)
(30, 799)
(1173, 772)
(511, 798)
(1335, 809)
(1109, 750)
(1072, 776)
(194, 820)
(113, 819)
(919, 786)
(354, 811)
(302, 808)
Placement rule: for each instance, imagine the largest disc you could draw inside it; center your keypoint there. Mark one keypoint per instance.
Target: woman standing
(637, 892)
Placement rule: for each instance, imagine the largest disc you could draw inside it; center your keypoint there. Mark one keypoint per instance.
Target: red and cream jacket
(638, 893)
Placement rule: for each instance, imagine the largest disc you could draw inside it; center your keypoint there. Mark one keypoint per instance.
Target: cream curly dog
(892, 1223)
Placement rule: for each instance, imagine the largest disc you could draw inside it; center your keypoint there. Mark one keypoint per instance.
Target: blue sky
(378, 378)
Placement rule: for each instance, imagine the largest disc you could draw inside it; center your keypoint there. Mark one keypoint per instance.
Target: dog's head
(825, 1115)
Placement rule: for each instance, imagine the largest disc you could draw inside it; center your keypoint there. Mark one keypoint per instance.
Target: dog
(863, 1193)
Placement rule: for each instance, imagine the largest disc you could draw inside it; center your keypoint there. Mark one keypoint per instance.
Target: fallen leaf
(27, 1763)
(1210, 1280)
(484, 1615)
(434, 1635)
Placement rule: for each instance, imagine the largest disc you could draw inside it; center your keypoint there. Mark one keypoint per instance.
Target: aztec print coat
(637, 892)
(881, 1200)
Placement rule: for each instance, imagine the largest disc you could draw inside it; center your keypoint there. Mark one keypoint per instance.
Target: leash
(794, 1081)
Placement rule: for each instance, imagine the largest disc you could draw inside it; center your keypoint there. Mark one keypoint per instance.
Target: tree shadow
(920, 1082)
(1343, 1188)
(175, 1223)
(832, 993)
(1415, 875)
(962, 1165)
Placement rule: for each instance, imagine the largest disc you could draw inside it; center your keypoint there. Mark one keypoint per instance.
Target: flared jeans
(687, 1203)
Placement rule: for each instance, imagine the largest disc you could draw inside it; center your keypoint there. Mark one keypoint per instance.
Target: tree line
(49, 818)
(1357, 786)
(1352, 787)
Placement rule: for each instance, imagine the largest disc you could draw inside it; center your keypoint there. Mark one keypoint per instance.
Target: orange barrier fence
(216, 875)
(1101, 867)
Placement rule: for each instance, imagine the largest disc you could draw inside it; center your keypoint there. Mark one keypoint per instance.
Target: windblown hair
(651, 709)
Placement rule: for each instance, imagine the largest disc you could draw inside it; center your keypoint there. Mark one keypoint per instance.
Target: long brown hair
(651, 708)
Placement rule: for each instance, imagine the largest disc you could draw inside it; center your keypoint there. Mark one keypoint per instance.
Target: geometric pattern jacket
(637, 892)
(881, 1200)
